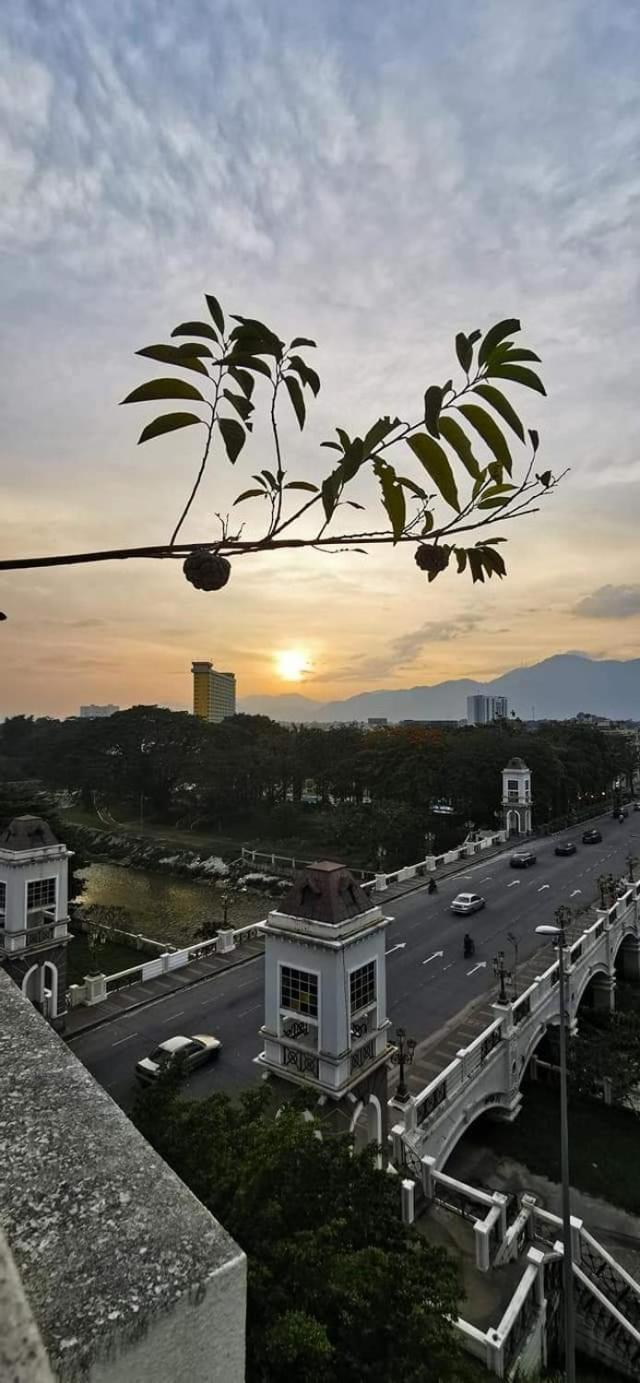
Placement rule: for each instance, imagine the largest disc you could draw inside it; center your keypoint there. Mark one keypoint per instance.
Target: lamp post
(502, 974)
(631, 864)
(557, 932)
(514, 942)
(402, 1057)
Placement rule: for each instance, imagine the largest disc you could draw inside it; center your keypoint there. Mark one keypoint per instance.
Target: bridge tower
(34, 913)
(517, 804)
(325, 1010)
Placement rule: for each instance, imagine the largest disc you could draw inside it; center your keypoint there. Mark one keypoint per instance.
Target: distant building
(435, 724)
(377, 723)
(481, 710)
(97, 712)
(214, 693)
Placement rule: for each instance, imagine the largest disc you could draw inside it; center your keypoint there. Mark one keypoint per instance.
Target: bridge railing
(96, 988)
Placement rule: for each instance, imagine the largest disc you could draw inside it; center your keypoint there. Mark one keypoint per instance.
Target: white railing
(427, 866)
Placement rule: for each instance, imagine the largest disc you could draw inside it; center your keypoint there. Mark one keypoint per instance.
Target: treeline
(373, 791)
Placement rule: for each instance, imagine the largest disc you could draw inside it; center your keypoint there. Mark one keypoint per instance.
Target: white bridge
(485, 1076)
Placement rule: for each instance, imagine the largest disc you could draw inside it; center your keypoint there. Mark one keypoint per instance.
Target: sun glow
(292, 664)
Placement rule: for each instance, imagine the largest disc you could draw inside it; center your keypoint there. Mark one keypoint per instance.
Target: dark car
(592, 837)
(522, 859)
(565, 847)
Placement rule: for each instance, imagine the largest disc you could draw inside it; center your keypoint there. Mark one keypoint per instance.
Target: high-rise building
(214, 693)
(481, 710)
(97, 712)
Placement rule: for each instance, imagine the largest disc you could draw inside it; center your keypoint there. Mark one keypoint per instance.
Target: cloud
(609, 602)
(405, 650)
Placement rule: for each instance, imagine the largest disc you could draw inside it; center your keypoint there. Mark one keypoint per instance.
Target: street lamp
(402, 1057)
(557, 932)
(502, 974)
(631, 864)
(514, 942)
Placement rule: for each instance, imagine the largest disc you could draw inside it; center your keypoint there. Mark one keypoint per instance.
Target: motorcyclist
(469, 945)
(433, 887)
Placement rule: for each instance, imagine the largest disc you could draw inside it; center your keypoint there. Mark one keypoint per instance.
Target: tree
(338, 1286)
(606, 1047)
(459, 447)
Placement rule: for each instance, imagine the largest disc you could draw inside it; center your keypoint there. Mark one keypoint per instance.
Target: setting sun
(292, 664)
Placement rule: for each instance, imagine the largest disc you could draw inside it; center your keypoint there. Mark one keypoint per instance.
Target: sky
(375, 177)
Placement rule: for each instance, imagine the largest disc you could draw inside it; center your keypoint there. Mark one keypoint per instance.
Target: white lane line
(246, 984)
(435, 956)
(575, 893)
(173, 1015)
(485, 878)
(447, 967)
(249, 1010)
(542, 887)
(400, 945)
(124, 1039)
(514, 883)
(482, 965)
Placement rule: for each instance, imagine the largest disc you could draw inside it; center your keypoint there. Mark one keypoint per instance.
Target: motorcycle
(469, 947)
(433, 887)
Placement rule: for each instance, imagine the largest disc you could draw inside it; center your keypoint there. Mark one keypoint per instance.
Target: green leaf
(233, 436)
(244, 380)
(480, 481)
(495, 335)
(484, 542)
(216, 312)
(256, 338)
(295, 394)
(261, 480)
(250, 494)
(393, 500)
(248, 361)
(454, 435)
(464, 351)
(164, 389)
(352, 460)
(520, 375)
(434, 459)
(475, 562)
(493, 561)
(238, 401)
(196, 329)
(301, 485)
(169, 422)
(378, 432)
(330, 491)
(523, 355)
(344, 438)
(270, 479)
(335, 446)
(411, 485)
(172, 355)
(307, 375)
(499, 489)
(491, 501)
(428, 523)
(535, 439)
(502, 406)
(301, 341)
(352, 503)
(190, 348)
(489, 431)
(474, 336)
(461, 559)
(432, 406)
(545, 479)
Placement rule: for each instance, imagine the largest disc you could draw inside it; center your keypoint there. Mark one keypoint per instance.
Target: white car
(194, 1051)
(467, 902)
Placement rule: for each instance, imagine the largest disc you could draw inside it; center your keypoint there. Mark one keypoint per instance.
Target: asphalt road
(428, 980)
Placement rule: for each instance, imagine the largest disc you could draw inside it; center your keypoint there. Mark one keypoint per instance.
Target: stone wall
(128, 1276)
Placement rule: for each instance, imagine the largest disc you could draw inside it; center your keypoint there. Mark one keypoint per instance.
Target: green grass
(604, 1144)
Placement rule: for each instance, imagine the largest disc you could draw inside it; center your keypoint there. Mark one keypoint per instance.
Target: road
(428, 979)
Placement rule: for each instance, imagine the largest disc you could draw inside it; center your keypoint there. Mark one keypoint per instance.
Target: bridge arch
(632, 934)
(593, 972)
(498, 1102)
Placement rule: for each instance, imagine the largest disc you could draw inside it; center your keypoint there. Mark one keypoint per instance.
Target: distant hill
(554, 689)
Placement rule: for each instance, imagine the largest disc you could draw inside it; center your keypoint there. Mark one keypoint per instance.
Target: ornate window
(299, 991)
(41, 893)
(363, 986)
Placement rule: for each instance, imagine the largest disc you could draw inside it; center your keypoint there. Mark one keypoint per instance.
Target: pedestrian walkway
(120, 1001)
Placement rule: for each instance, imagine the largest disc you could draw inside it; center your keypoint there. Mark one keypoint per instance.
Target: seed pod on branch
(432, 559)
(206, 570)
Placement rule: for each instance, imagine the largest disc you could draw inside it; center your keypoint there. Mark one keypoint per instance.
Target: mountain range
(555, 689)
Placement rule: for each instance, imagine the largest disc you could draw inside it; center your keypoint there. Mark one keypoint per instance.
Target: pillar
(604, 993)
(630, 958)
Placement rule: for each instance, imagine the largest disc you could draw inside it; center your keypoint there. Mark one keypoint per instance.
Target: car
(565, 847)
(619, 811)
(467, 902)
(193, 1051)
(522, 859)
(636, 806)
(592, 837)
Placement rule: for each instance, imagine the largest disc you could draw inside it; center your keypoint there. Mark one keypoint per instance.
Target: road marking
(447, 967)
(485, 878)
(124, 1039)
(542, 887)
(246, 984)
(433, 957)
(173, 1015)
(575, 893)
(249, 1010)
(482, 965)
(399, 946)
(514, 883)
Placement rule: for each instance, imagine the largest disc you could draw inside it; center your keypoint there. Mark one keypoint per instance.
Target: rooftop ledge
(126, 1273)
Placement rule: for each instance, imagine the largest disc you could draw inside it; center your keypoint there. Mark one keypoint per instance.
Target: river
(168, 908)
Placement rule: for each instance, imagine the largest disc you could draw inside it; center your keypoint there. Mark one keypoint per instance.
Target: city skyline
(416, 177)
